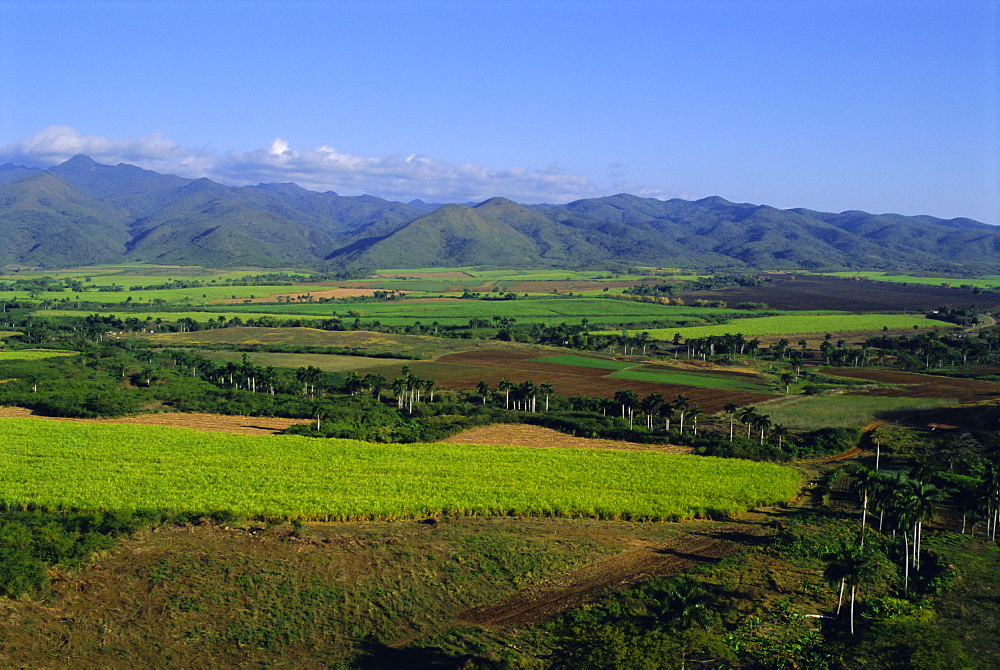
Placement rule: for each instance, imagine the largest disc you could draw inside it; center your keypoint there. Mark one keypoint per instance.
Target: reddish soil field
(924, 386)
(492, 366)
(424, 275)
(546, 286)
(816, 292)
(525, 435)
(324, 293)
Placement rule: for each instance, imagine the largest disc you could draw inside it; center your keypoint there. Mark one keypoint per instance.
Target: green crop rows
(100, 466)
(798, 324)
(660, 376)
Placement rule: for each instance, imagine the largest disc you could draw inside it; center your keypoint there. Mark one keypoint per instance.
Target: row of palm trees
(755, 422)
(523, 396)
(655, 407)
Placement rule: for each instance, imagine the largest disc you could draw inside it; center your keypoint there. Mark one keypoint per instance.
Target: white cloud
(323, 168)
(56, 144)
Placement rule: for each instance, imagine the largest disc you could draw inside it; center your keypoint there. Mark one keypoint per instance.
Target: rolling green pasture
(843, 411)
(797, 324)
(986, 281)
(120, 466)
(33, 354)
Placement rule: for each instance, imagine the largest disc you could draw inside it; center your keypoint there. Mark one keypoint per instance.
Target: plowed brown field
(525, 435)
(246, 425)
(923, 386)
(817, 292)
(492, 366)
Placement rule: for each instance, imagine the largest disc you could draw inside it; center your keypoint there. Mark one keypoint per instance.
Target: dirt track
(542, 601)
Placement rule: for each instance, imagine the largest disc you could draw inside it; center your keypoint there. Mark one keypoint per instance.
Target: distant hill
(82, 212)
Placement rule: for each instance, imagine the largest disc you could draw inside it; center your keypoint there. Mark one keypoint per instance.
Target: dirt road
(543, 601)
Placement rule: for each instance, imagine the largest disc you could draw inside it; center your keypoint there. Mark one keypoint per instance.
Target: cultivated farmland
(95, 466)
(799, 324)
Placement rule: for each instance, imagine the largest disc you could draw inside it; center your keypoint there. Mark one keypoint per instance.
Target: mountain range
(81, 212)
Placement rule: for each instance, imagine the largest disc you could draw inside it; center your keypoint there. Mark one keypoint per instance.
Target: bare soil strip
(549, 598)
(526, 435)
(243, 425)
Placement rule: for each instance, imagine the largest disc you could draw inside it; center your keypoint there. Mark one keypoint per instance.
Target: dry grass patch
(213, 423)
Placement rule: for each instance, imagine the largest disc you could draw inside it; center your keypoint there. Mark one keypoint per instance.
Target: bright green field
(796, 324)
(119, 466)
(844, 411)
(661, 376)
(33, 354)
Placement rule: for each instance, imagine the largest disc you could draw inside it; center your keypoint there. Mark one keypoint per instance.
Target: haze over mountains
(81, 212)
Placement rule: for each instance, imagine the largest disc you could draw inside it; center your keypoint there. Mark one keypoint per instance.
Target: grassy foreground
(111, 466)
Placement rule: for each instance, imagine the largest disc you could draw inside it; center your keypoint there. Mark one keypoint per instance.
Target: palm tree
(667, 412)
(546, 388)
(651, 407)
(318, 410)
(483, 389)
(748, 415)
(730, 409)
(529, 392)
(505, 386)
(925, 499)
(681, 405)
(693, 414)
(763, 422)
(627, 399)
(851, 565)
(352, 384)
(780, 432)
(375, 383)
(864, 479)
(399, 388)
(786, 380)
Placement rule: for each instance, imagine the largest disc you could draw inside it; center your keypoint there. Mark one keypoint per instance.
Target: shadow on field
(378, 656)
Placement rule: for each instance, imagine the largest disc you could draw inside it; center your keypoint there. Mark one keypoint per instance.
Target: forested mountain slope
(81, 212)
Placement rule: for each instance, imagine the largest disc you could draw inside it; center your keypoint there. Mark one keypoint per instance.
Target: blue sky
(876, 105)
